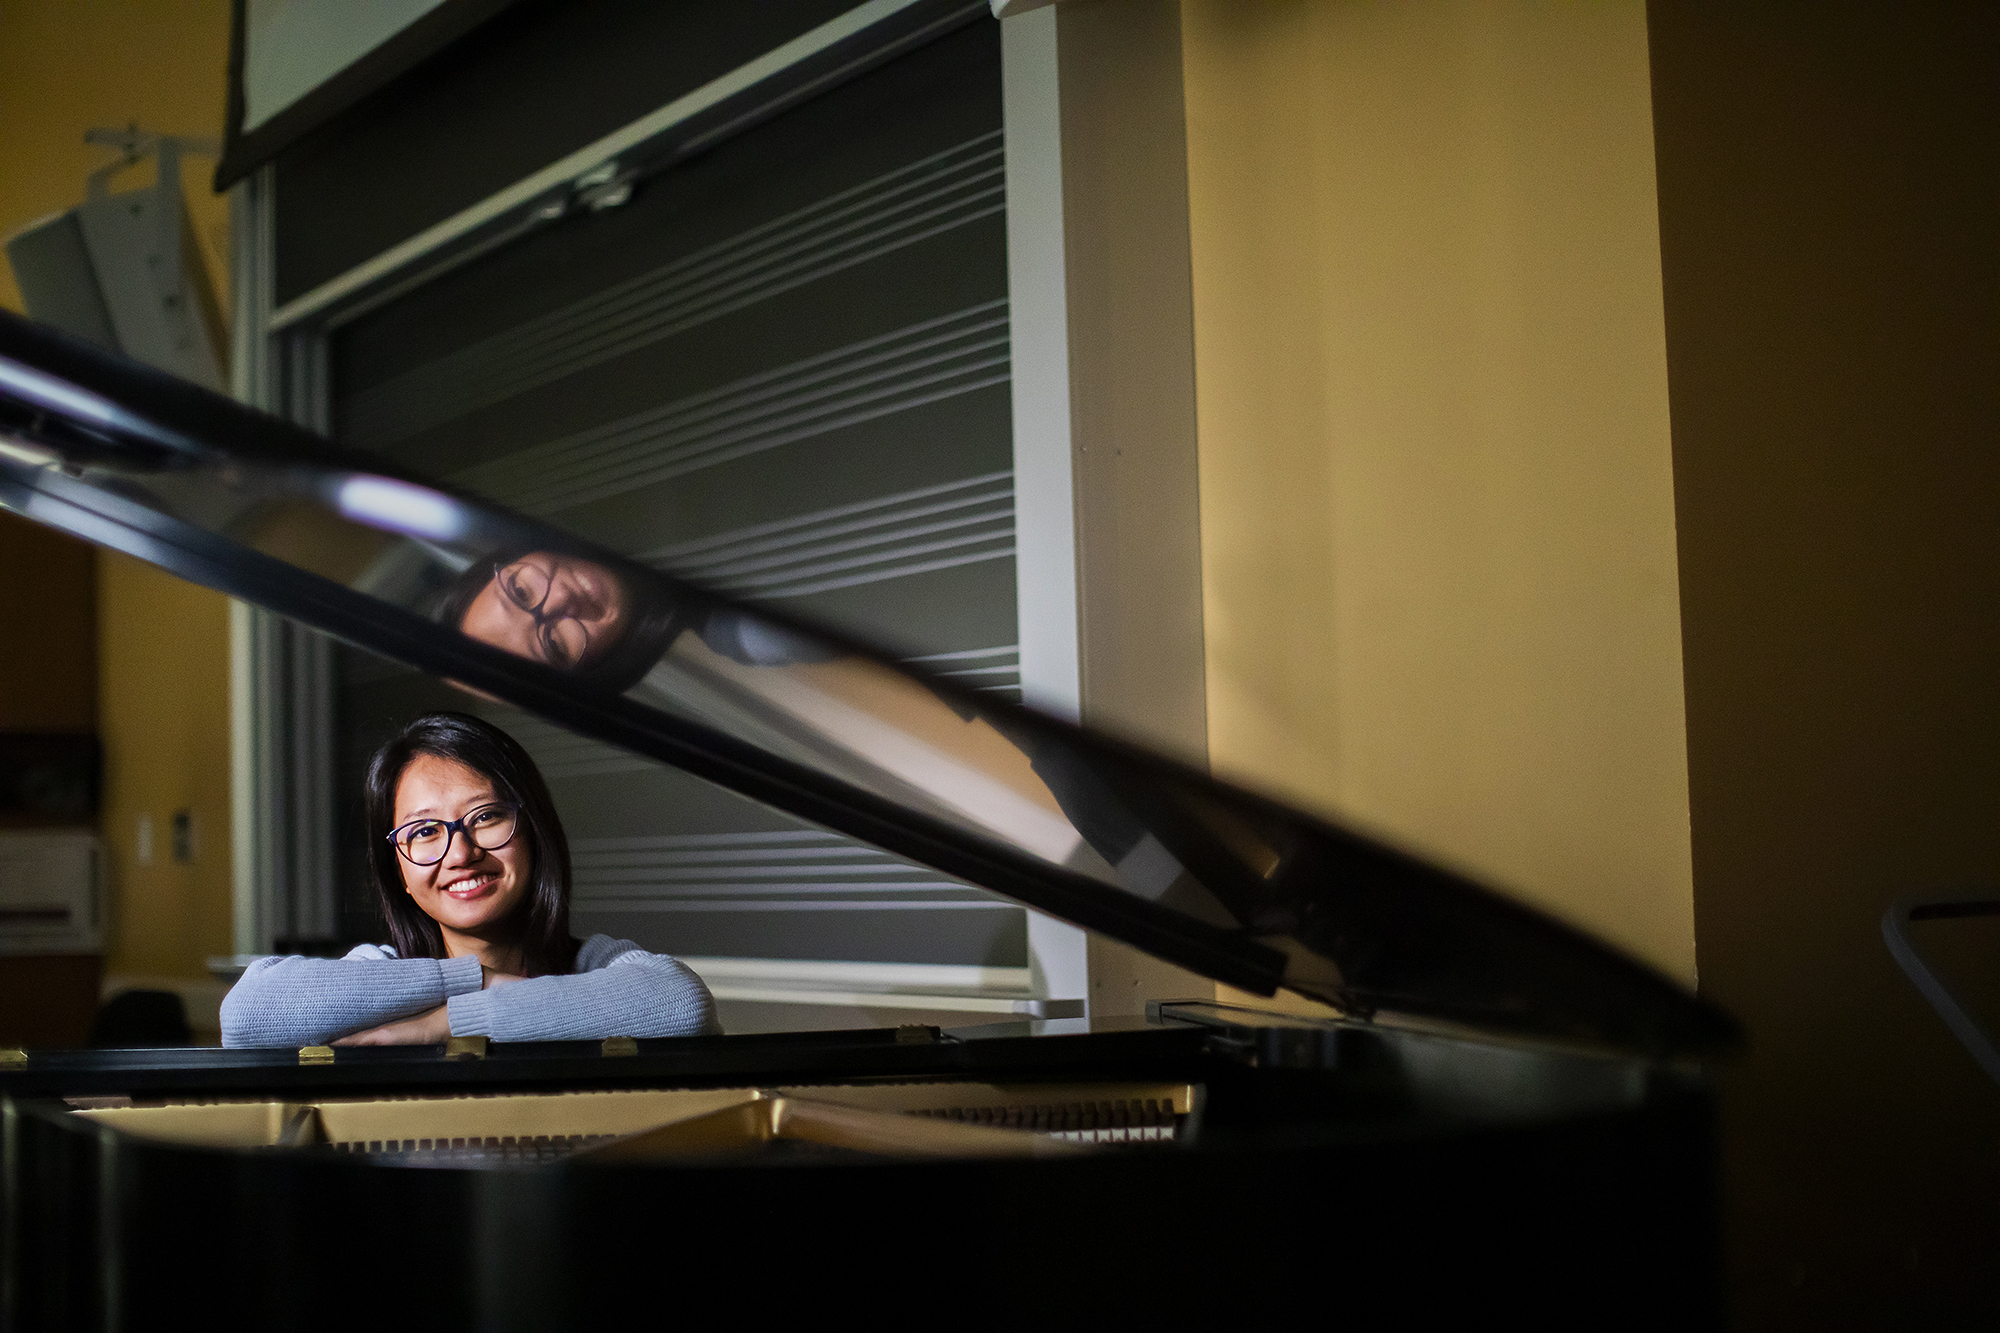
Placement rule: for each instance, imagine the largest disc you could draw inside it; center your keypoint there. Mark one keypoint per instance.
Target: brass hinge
(465, 1048)
(315, 1055)
(619, 1046)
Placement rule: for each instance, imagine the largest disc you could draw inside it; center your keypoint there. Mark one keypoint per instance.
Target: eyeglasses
(564, 640)
(425, 842)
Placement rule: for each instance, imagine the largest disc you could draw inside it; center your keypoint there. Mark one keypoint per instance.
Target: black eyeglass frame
(543, 632)
(454, 827)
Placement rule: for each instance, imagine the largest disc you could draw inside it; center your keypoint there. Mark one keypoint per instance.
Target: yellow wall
(48, 596)
(1436, 474)
(1827, 219)
(67, 66)
(164, 710)
(163, 646)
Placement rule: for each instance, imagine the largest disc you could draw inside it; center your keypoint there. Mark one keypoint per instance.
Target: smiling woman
(473, 873)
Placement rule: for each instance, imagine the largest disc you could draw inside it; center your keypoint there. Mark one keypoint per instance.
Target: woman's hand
(430, 1028)
(491, 977)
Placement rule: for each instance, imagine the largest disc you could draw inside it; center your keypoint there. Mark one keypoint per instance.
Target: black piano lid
(1100, 833)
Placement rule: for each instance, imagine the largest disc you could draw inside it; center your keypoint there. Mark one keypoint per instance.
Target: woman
(473, 873)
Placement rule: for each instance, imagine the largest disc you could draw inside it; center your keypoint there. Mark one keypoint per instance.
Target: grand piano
(1504, 1118)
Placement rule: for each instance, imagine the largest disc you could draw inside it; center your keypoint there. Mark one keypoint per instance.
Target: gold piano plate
(762, 1124)
(526, 1129)
(465, 1048)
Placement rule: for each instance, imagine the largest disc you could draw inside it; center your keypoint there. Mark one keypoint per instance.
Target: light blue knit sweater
(617, 990)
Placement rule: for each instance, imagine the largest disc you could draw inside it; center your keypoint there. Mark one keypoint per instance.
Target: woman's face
(473, 890)
(550, 608)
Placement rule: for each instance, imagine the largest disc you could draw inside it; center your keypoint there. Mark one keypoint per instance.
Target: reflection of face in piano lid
(554, 609)
(564, 611)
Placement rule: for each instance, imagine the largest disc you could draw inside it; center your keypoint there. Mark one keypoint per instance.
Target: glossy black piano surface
(1509, 1117)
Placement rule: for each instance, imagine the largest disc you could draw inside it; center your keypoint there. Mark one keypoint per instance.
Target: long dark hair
(543, 918)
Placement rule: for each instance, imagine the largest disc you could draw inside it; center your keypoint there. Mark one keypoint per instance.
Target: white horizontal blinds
(868, 222)
(993, 669)
(781, 371)
(701, 872)
(954, 354)
(911, 532)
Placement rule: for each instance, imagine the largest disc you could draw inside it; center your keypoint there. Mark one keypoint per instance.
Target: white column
(1044, 506)
(252, 872)
(281, 707)
(1105, 471)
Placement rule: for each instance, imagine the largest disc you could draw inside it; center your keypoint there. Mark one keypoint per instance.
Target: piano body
(1506, 1116)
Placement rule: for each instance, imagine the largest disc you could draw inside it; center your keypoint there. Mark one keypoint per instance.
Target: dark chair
(1896, 934)
(142, 1018)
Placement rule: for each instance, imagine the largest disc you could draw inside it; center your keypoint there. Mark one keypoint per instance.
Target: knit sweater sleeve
(617, 990)
(309, 1001)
